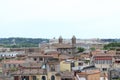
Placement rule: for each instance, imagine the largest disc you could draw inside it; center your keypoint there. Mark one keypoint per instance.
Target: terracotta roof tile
(66, 74)
(14, 61)
(89, 72)
(63, 56)
(28, 72)
(57, 45)
(39, 55)
(103, 54)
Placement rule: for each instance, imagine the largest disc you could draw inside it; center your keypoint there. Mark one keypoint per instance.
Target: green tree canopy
(112, 46)
(92, 48)
(80, 49)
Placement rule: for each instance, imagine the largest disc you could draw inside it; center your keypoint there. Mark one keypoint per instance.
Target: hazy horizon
(62, 37)
(86, 19)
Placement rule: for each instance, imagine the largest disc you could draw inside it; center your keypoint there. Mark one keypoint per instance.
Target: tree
(80, 49)
(112, 46)
(92, 49)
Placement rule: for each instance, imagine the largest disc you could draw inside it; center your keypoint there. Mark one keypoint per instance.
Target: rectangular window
(4, 65)
(104, 69)
(14, 65)
(52, 67)
(34, 78)
(9, 65)
(41, 59)
(72, 65)
(35, 59)
(80, 64)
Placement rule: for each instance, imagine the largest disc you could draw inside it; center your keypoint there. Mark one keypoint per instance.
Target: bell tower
(73, 44)
(60, 40)
(73, 40)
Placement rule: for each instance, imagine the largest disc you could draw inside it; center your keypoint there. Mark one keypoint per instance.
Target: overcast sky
(52, 18)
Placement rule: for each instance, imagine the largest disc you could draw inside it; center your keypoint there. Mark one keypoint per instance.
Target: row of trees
(21, 42)
(33, 42)
(21, 45)
(112, 46)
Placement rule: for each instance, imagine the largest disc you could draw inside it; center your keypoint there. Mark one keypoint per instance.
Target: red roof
(103, 58)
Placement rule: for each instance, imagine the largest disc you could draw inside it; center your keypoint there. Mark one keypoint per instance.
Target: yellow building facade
(67, 65)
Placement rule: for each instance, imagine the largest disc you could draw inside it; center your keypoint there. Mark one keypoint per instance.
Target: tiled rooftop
(14, 61)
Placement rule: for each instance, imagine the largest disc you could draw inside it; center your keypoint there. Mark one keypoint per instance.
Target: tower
(73, 40)
(60, 40)
(73, 44)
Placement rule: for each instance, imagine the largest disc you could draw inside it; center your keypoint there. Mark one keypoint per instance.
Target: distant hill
(110, 40)
(21, 42)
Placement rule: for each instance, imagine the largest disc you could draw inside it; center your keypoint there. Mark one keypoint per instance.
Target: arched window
(52, 77)
(43, 78)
